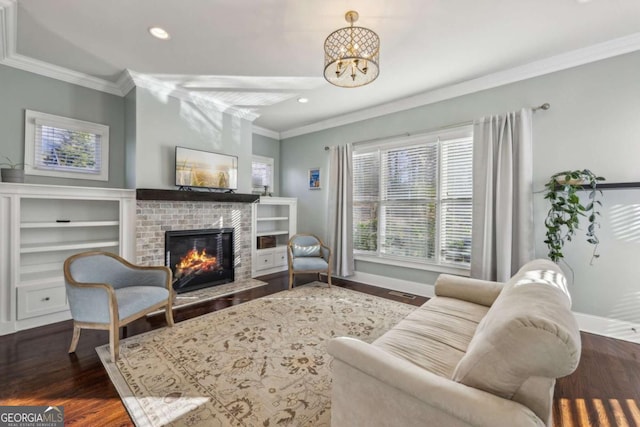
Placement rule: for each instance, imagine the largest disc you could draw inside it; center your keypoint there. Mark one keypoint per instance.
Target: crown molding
(125, 82)
(597, 52)
(266, 132)
(9, 57)
(60, 73)
(169, 89)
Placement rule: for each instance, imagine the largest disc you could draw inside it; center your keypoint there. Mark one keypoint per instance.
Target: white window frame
(266, 160)
(463, 131)
(31, 145)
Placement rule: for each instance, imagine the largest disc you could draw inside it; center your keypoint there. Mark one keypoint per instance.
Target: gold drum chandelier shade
(351, 55)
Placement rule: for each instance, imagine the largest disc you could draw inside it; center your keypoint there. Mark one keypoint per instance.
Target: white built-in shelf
(49, 224)
(276, 248)
(99, 219)
(272, 233)
(273, 218)
(51, 276)
(66, 246)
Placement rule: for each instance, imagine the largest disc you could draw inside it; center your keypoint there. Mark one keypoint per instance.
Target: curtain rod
(544, 106)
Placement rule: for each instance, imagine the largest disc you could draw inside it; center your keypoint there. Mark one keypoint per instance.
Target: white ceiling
(261, 55)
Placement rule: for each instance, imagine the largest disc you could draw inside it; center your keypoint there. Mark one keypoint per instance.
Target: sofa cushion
(528, 332)
(473, 290)
(436, 335)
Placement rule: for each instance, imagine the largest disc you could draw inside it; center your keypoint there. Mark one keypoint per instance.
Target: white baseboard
(7, 328)
(422, 289)
(612, 328)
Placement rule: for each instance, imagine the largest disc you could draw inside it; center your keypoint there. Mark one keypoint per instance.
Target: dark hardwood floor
(35, 369)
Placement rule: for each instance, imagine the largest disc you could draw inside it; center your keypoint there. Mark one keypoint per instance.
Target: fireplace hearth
(199, 258)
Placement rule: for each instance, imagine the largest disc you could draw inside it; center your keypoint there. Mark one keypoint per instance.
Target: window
(67, 148)
(261, 173)
(412, 198)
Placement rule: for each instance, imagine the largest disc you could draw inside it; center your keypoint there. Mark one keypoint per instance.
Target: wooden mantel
(194, 196)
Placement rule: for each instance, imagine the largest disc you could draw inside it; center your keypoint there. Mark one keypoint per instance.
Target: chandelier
(351, 55)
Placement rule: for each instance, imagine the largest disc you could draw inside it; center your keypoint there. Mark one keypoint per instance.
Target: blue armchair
(107, 292)
(307, 254)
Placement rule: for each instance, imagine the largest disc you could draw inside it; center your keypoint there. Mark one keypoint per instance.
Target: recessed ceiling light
(159, 33)
(303, 100)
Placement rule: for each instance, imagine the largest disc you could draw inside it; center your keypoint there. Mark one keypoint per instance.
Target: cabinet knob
(46, 299)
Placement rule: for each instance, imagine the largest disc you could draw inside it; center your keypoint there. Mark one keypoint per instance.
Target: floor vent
(401, 294)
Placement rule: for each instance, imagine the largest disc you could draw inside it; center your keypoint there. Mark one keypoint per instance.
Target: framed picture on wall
(314, 179)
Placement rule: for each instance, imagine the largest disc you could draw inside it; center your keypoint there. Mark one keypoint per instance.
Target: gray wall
(269, 147)
(20, 90)
(130, 138)
(164, 122)
(593, 123)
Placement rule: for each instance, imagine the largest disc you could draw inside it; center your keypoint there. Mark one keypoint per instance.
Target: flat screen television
(205, 169)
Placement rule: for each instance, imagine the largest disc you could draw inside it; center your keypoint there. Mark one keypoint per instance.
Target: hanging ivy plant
(563, 218)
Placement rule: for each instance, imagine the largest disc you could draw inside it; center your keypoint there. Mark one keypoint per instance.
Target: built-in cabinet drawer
(265, 260)
(280, 257)
(41, 299)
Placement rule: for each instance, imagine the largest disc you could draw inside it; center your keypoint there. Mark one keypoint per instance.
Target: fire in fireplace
(199, 258)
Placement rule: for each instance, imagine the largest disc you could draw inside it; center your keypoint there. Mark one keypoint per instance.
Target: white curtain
(502, 232)
(340, 209)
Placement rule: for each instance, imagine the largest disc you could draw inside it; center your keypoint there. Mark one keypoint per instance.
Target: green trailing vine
(563, 218)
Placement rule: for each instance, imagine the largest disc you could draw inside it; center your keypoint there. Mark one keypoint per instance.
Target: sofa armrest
(477, 291)
(441, 397)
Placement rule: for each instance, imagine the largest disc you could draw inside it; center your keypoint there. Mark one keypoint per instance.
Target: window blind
(366, 190)
(261, 174)
(412, 201)
(63, 149)
(456, 164)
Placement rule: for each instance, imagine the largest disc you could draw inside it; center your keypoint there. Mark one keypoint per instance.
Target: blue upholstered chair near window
(307, 254)
(107, 292)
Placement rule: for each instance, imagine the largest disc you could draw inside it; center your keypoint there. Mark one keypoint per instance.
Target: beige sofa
(477, 354)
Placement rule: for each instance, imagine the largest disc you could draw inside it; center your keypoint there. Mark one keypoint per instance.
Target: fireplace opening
(199, 258)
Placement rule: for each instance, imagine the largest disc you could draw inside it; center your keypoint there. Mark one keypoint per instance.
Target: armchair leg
(329, 277)
(169, 314)
(114, 342)
(75, 338)
(290, 279)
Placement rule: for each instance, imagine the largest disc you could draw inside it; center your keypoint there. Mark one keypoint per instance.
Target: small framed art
(314, 179)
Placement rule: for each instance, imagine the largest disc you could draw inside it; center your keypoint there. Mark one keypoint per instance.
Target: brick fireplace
(157, 213)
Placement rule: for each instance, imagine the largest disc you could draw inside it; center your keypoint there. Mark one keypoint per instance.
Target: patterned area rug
(194, 297)
(260, 363)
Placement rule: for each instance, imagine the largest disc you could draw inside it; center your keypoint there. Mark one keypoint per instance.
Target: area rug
(261, 363)
(201, 295)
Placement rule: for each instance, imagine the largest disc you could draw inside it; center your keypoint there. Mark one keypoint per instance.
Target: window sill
(438, 268)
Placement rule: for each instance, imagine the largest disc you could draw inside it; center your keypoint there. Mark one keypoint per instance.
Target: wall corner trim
(8, 21)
